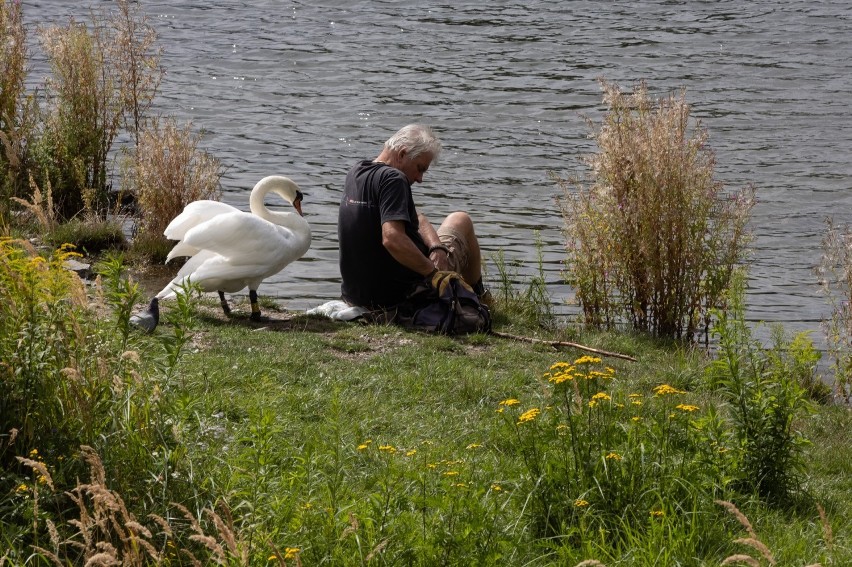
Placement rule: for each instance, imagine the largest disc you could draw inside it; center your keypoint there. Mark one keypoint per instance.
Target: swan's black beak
(297, 202)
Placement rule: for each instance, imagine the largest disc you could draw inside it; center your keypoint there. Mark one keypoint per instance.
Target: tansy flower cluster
(665, 390)
(529, 415)
(562, 371)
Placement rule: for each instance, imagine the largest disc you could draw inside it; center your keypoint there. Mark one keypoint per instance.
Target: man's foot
(483, 293)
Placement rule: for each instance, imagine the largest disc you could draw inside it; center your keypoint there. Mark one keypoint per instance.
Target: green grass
(302, 439)
(276, 416)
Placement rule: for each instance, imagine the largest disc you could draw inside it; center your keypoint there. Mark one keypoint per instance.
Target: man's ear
(402, 153)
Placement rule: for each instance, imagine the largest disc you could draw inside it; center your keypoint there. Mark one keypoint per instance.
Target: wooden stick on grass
(556, 344)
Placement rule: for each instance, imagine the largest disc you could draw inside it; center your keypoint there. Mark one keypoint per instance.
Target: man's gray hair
(417, 139)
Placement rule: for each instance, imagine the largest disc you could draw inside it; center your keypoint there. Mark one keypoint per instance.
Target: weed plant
(763, 401)
(167, 172)
(652, 238)
(69, 378)
(530, 306)
(13, 114)
(835, 281)
(82, 117)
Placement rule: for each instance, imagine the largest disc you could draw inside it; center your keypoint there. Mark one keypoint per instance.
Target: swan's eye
(299, 196)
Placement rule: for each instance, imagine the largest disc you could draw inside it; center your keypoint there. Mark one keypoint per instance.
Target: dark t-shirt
(373, 194)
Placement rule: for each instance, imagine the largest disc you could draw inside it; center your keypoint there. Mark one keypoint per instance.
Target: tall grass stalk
(652, 238)
(530, 305)
(835, 280)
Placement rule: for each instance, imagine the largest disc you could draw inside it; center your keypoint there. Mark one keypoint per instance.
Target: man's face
(412, 168)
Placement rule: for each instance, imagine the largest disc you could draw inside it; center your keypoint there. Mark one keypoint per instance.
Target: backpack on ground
(456, 310)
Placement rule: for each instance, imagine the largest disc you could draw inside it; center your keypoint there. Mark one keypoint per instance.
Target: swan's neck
(293, 221)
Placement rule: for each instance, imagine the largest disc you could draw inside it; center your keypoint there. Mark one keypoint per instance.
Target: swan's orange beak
(297, 204)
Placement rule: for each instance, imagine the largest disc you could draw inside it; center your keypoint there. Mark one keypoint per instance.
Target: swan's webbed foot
(258, 318)
(224, 302)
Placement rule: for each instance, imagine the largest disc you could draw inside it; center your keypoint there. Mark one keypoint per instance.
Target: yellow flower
(580, 503)
(636, 402)
(665, 389)
(411, 452)
(362, 446)
(593, 403)
(636, 418)
(22, 488)
(601, 396)
(635, 396)
(474, 446)
(451, 473)
(686, 407)
(613, 456)
(509, 402)
(34, 453)
(561, 377)
(599, 374)
(387, 448)
(528, 415)
(587, 360)
(560, 367)
(657, 513)
(496, 487)
(291, 552)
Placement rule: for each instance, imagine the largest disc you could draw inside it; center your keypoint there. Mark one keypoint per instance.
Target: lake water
(305, 89)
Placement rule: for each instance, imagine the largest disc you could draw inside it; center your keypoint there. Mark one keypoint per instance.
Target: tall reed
(652, 238)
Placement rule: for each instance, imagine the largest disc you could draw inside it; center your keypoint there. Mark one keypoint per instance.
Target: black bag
(457, 311)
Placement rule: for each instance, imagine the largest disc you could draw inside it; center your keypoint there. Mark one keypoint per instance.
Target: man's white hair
(417, 139)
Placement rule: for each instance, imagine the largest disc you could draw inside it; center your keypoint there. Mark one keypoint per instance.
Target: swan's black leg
(255, 307)
(225, 307)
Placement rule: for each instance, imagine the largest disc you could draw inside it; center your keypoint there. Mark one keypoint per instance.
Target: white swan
(230, 249)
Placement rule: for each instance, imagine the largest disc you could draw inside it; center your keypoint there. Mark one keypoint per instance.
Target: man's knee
(459, 221)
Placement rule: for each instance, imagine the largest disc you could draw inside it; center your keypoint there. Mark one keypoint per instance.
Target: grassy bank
(306, 441)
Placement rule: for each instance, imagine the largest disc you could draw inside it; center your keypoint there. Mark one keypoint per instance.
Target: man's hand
(441, 258)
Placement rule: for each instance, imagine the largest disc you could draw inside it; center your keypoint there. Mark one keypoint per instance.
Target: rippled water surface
(307, 88)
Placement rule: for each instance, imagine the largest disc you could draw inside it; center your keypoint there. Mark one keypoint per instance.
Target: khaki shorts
(459, 248)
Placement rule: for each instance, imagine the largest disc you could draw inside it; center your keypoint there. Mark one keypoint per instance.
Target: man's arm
(440, 258)
(403, 250)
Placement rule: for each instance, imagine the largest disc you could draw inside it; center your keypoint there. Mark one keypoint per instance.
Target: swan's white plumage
(230, 249)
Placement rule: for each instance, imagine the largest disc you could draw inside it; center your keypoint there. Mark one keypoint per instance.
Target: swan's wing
(194, 214)
(242, 239)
